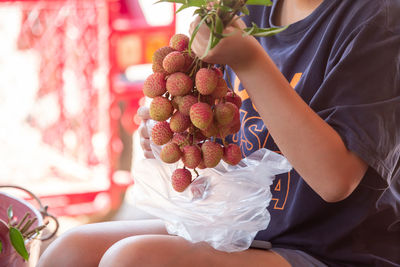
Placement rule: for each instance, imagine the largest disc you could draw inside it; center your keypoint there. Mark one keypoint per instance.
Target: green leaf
(17, 242)
(263, 32)
(219, 28)
(10, 213)
(1, 246)
(245, 10)
(225, 8)
(259, 2)
(171, 1)
(210, 42)
(195, 32)
(197, 3)
(182, 7)
(187, 3)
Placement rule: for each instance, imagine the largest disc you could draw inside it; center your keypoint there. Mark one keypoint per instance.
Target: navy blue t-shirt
(344, 61)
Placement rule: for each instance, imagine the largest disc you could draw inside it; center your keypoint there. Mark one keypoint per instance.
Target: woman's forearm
(312, 146)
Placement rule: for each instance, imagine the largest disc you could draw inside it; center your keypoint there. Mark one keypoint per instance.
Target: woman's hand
(233, 50)
(144, 133)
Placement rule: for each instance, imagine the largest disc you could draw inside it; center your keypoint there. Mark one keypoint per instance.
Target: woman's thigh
(173, 251)
(85, 245)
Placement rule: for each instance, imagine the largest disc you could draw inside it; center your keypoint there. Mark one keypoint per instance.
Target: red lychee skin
(201, 115)
(212, 153)
(232, 127)
(191, 156)
(158, 58)
(181, 139)
(161, 133)
(188, 63)
(179, 42)
(181, 179)
(232, 154)
(201, 165)
(224, 113)
(209, 99)
(218, 71)
(155, 85)
(211, 130)
(206, 81)
(160, 108)
(186, 103)
(179, 122)
(235, 126)
(179, 84)
(198, 137)
(235, 99)
(170, 153)
(173, 62)
(221, 89)
(176, 100)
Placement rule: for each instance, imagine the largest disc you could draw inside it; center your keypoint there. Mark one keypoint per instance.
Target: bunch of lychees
(192, 103)
(195, 111)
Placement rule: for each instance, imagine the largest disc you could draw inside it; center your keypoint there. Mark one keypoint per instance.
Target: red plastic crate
(69, 125)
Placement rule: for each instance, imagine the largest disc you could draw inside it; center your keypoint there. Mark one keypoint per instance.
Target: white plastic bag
(225, 206)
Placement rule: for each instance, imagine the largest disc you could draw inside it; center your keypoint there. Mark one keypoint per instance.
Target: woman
(327, 90)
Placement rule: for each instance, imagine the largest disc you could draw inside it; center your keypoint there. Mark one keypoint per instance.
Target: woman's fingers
(148, 155)
(143, 131)
(145, 144)
(143, 113)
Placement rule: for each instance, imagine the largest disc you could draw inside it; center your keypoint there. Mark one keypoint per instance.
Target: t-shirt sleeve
(363, 88)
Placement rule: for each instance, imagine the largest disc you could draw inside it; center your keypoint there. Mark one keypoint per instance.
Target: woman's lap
(146, 243)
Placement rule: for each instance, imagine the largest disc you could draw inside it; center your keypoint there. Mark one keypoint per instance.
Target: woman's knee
(147, 250)
(73, 248)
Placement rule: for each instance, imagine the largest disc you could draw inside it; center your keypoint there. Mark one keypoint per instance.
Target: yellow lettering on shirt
(244, 95)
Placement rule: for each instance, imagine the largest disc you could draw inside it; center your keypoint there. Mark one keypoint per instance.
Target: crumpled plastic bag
(225, 206)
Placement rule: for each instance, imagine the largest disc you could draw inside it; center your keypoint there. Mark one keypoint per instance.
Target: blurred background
(71, 75)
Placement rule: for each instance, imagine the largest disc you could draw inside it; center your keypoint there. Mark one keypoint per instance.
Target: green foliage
(17, 241)
(10, 213)
(20, 231)
(218, 14)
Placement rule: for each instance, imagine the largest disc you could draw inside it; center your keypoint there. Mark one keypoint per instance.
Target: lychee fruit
(201, 165)
(155, 85)
(189, 61)
(158, 58)
(179, 84)
(232, 127)
(170, 153)
(232, 154)
(179, 42)
(221, 89)
(173, 62)
(161, 133)
(210, 131)
(212, 153)
(234, 98)
(198, 137)
(191, 156)
(160, 108)
(224, 113)
(209, 99)
(201, 115)
(181, 139)
(186, 103)
(206, 81)
(181, 179)
(218, 71)
(179, 122)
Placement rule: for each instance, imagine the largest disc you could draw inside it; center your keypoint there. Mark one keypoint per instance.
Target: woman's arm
(312, 146)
